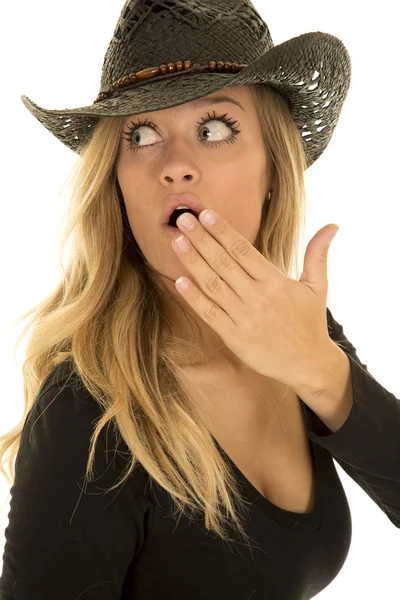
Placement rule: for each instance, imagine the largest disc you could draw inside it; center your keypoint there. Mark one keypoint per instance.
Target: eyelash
(222, 118)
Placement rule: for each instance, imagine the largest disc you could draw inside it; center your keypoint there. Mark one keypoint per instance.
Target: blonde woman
(222, 404)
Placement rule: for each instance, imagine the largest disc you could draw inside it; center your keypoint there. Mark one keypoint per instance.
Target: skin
(232, 178)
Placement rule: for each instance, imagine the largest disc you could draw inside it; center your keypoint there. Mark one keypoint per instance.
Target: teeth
(182, 207)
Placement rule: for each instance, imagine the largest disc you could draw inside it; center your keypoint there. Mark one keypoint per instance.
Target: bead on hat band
(165, 71)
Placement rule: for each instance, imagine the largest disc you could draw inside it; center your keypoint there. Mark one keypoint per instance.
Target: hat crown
(155, 32)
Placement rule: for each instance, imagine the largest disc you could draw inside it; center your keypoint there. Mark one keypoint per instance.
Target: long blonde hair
(99, 316)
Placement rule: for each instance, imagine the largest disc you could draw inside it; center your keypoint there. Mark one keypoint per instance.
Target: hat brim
(315, 101)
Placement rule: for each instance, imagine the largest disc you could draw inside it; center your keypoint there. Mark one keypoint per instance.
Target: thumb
(327, 234)
(315, 271)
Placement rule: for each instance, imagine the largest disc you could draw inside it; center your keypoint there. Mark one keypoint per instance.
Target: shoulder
(60, 426)
(65, 380)
(67, 533)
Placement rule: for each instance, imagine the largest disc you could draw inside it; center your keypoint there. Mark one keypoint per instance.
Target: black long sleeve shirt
(67, 542)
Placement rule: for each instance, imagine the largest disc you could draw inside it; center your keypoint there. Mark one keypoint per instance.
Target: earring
(269, 195)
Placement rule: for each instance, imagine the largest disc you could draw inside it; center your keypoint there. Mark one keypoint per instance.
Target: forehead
(218, 98)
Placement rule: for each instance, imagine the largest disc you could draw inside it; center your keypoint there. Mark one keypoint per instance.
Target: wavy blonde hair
(99, 316)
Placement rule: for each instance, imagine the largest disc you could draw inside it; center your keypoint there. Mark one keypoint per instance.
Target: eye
(216, 126)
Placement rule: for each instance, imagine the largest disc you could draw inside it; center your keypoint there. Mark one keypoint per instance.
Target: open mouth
(177, 213)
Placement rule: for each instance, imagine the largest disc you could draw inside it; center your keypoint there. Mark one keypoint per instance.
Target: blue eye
(147, 123)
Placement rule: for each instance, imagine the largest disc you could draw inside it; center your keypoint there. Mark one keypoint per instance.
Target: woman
(198, 418)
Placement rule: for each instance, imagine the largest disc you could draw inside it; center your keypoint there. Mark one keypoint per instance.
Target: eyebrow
(218, 100)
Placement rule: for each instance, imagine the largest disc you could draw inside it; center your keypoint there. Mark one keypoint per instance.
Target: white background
(54, 53)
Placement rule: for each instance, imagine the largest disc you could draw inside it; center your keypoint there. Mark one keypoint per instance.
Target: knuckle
(240, 249)
(211, 312)
(214, 284)
(223, 261)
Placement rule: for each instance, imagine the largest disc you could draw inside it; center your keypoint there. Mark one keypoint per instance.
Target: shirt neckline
(302, 521)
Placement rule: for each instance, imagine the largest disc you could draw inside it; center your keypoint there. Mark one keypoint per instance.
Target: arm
(367, 444)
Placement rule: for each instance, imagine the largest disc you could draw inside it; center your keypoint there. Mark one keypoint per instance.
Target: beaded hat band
(201, 47)
(165, 70)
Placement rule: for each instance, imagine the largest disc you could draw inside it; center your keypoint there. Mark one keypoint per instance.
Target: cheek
(245, 217)
(135, 209)
(138, 220)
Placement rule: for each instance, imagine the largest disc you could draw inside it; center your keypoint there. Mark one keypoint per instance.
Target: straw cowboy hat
(163, 54)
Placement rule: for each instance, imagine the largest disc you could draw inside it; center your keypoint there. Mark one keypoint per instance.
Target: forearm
(328, 389)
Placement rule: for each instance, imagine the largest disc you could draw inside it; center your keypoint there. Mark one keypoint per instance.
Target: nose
(185, 177)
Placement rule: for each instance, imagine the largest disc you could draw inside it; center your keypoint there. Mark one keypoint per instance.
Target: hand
(273, 324)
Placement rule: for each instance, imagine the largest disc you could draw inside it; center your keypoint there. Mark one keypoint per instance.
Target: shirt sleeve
(367, 445)
(66, 538)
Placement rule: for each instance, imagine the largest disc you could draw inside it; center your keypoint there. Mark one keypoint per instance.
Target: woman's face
(189, 150)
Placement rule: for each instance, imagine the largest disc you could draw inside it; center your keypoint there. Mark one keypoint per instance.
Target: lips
(175, 200)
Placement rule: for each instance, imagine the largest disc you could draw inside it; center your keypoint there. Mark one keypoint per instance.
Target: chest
(260, 426)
